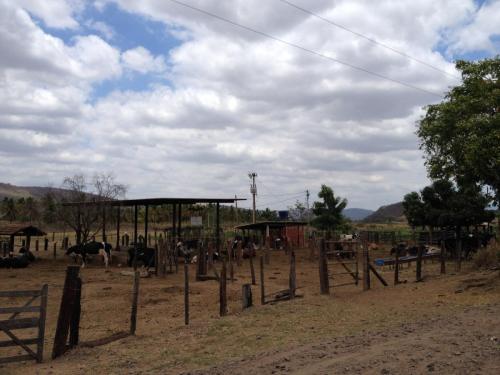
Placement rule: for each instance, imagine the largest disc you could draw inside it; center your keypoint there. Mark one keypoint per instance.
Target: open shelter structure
(20, 230)
(176, 204)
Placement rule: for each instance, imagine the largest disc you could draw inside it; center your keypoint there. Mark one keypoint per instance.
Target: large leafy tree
(443, 205)
(328, 213)
(461, 135)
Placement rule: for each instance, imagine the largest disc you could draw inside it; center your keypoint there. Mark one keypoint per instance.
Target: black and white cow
(91, 248)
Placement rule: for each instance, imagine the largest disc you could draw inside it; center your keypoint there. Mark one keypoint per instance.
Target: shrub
(487, 257)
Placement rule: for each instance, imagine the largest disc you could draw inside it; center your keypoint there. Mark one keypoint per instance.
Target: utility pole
(253, 191)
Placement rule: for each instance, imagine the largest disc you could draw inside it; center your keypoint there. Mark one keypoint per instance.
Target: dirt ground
(447, 324)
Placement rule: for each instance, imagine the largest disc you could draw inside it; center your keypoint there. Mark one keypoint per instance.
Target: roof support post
(179, 225)
(217, 228)
(118, 228)
(104, 223)
(146, 218)
(174, 226)
(135, 237)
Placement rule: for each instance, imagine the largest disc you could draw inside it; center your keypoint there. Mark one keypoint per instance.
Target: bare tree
(92, 197)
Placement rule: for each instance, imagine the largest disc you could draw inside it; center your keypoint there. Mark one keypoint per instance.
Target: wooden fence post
(201, 269)
(292, 281)
(267, 250)
(262, 295)
(366, 268)
(222, 290)
(252, 270)
(74, 331)
(323, 269)
(442, 256)
(36, 245)
(231, 268)
(419, 263)
(55, 250)
(238, 253)
(135, 297)
(396, 267)
(246, 296)
(186, 293)
(66, 310)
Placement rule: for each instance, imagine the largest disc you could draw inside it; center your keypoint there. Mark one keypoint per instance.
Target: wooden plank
(20, 293)
(16, 339)
(20, 323)
(6, 343)
(16, 358)
(41, 323)
(379, 277)
(19, 309)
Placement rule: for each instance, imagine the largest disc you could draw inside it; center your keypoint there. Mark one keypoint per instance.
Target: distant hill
(13, 191)
(391, 212)
(356, 214)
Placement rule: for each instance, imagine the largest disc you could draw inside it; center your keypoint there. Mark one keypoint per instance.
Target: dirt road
(468, 343)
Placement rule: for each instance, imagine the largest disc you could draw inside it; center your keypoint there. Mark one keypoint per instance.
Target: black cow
(145, 256)
(91, 248)
(22, 260)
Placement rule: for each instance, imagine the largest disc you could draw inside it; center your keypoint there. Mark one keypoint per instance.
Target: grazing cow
(91, 248)
(22, 260)
(187, 248)
(145, 256)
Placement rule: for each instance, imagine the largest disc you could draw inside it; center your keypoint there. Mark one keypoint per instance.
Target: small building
(293, 231)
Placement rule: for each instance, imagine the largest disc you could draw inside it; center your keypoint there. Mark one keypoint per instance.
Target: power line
(371, 40)
(280, 201)
(281, 194)
(355, 67)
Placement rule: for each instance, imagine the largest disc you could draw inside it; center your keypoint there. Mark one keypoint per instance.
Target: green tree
(328, 213)
(49, 208)
(446, 206)
(461, 135)
(9, 209)
(267, 215)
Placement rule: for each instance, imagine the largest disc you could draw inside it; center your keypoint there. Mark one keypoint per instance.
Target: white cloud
(479, 28)
(54, 13)
(106, 31)
(141, 60)
(235, 101)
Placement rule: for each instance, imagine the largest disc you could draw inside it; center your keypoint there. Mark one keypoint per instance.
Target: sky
(176, 103)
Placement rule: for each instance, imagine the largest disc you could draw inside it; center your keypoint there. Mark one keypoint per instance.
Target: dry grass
(163, 342)
(487, 258)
